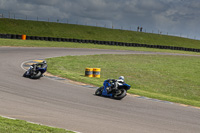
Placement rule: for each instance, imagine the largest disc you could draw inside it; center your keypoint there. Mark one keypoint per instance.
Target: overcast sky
(173, 17)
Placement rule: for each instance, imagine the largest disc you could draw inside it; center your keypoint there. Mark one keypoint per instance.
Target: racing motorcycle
(118, 93)
(35, 74)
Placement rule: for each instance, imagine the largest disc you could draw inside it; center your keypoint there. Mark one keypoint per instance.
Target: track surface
(76, 108)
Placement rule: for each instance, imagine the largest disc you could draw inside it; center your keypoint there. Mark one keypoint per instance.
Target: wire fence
(10, 15)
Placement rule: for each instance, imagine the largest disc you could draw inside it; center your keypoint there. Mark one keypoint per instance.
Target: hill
(50, 29)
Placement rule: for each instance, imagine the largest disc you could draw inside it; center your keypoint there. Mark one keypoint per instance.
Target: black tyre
(99, 91)
(120, 94)
(37, 75)
(25, 74)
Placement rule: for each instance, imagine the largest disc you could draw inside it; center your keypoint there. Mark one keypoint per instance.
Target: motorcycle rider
(118, 81)
(115, 83)
(33, 67)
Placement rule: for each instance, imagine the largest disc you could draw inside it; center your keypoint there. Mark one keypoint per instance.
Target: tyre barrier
(14, 36)
(41, 38)
(92, 72)
(54, 39)
(59, 39)
(96, 72)
(62, 40)
(89, 72)
(27, 37)
(37, 38)
(46, 38)
(50, 39)
(23, 37)
(9, 36)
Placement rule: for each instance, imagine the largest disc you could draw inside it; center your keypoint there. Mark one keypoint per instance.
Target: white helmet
(121, 77)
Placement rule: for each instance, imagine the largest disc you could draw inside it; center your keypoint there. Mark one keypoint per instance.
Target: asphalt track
(75, 107)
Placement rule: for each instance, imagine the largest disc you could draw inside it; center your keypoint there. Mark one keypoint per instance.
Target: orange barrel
(23, 37)
(89, 72)
(96, 72)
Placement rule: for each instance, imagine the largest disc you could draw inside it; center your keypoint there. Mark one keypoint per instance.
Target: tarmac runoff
(25, 65)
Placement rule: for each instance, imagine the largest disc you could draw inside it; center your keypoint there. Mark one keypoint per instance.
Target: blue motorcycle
(35, 74)
(108, 91)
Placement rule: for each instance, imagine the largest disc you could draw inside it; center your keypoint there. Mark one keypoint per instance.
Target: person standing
(141, 29)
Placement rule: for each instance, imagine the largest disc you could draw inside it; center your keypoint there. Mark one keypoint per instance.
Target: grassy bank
(20, 126)
(172, 78)
(36, 28)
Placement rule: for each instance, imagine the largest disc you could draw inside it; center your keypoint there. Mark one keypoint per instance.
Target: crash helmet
(44, 62)
(121, 78)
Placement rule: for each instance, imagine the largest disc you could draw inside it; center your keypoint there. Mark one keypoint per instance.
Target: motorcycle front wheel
(99, 91)
(25, 74)
(120, 94)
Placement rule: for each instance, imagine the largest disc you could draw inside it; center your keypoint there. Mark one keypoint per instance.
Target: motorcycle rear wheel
(36, 76)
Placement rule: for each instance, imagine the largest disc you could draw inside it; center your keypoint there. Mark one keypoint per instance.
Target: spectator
(141, 29)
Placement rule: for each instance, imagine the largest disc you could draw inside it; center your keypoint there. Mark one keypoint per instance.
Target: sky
(169, 17)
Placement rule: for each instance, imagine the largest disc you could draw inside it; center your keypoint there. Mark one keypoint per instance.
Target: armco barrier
(14, 36)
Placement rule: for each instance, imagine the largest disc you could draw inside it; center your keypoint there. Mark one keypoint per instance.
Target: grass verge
(165, 77)
(35, 43)
(20, 126)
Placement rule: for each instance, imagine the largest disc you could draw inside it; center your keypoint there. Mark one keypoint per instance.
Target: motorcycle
(34, 74)
(106, 90)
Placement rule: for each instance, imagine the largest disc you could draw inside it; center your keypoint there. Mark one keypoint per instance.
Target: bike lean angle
(37, 73)
(107, 91)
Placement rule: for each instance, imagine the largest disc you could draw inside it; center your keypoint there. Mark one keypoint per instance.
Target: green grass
(35, 43)
(186, 64)
(20, 126)
(172, 78)
(36, 28)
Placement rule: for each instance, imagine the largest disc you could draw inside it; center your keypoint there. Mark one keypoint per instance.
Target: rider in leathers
(34, 66)
(114, 86)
